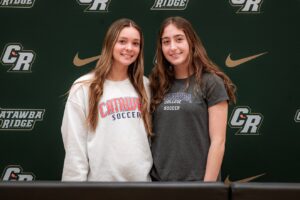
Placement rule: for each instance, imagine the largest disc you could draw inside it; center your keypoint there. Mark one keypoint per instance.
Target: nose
(172, 45)
(129, 46)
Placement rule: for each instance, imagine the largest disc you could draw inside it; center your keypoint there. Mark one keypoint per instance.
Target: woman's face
(175, 46)
(127, 47)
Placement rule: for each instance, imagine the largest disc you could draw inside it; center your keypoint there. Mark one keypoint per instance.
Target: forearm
(214, 160)
(217, 133)
(75, 169)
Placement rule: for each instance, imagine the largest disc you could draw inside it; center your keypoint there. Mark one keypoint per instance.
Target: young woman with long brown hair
(190, 96)
(106, 121)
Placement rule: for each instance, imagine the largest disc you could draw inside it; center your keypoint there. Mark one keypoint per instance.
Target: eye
(137, 44)
(179, 39)
(122, 41)
(165, 42)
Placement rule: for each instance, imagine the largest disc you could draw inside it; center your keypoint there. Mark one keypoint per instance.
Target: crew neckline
(117, 82)
(184, 79)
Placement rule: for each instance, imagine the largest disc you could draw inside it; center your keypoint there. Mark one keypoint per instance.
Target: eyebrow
(136, 39)
(173, 36)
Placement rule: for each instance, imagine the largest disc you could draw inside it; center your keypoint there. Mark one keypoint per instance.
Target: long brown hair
(162, 74)
(103, 67)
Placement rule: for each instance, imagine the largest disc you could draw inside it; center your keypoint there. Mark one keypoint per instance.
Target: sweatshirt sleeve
(147, 87)
(74, 134)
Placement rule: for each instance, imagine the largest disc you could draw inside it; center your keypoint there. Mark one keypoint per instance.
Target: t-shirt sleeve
(215, 91)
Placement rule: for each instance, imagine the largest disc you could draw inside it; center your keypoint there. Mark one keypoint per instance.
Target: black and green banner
(46, 45)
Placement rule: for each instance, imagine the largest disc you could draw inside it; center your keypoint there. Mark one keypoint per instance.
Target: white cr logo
(20, 59)
(100, 5)
(248, 123)
(247, 5)
(15, 174)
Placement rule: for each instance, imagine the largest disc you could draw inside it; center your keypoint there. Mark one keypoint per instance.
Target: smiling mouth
(175, 53)
(175, 56)
(127, 56)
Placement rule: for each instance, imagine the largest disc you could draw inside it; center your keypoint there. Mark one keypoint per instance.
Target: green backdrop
(39, 40)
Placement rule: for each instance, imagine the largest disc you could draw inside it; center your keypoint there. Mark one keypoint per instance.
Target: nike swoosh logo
(245, 180)
(78, 62)
(234, 63)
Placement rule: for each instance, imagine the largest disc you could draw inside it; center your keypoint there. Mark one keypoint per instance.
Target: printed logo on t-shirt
(120, 108)
(177, 99)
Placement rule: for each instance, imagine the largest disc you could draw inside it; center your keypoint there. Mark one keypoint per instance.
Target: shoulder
(146, 81)
(212, 82)
(147, 86)
(210, 78)
(84, 79)
(82, 82)
(214, 88)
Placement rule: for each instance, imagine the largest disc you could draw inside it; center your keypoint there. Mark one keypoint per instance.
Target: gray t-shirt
(180, 124)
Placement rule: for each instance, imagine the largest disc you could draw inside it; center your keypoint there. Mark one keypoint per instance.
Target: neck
(118, 73)
(182, 72)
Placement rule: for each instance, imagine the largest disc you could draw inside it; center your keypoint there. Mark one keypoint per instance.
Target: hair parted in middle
(103, 67)
(162, 74)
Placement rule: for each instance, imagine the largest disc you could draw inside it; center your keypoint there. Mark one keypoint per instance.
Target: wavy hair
(103, 67)
(162, 74)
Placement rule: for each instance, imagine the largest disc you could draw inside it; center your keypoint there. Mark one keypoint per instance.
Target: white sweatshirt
(118, 150)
